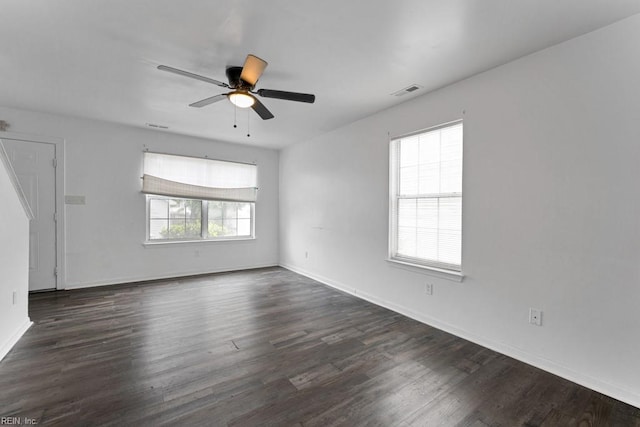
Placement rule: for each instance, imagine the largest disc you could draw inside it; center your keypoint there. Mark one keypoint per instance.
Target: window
(198, 199)
(426, 198)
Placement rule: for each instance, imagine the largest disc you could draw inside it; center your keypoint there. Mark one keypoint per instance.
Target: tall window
(426, 198)
(198, 199)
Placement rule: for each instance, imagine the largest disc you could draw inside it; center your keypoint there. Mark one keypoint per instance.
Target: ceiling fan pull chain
(235, 113)
(248, 120)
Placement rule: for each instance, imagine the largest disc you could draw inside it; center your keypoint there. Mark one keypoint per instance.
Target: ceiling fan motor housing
(233, 75)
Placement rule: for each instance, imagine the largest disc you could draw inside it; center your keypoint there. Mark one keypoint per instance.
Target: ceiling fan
(242, 81)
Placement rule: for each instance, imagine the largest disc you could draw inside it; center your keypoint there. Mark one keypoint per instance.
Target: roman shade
(198, 178)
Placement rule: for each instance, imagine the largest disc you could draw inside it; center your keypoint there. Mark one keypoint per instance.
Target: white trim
(6, 347)
(59, 144)
(427, 129)
(455, 276)
(623, 394)
(160, 243)
(133, 279)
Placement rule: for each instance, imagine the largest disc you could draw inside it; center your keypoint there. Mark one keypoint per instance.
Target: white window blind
(197, 178)
(426, 198)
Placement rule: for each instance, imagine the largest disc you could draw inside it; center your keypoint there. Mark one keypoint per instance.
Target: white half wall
(104, 237)
(14, 261)
(551, 210)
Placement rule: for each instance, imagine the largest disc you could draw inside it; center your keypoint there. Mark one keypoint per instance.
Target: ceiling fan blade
(191, 75)
(289, 96)
(208, 101)
(262, 111)
(252, 69)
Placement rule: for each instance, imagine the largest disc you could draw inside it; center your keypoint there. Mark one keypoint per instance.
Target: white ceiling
(98, 58)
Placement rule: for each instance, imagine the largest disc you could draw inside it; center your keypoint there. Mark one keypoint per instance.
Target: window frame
(437, 268)
(204, 223)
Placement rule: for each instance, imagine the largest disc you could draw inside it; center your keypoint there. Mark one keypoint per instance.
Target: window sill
(164, 243)
(454, 276)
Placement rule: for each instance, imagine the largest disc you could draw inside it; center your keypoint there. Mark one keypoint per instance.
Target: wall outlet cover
(535, 316)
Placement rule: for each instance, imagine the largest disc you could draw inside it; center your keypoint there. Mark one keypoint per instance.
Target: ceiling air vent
(407, 90)
(151, 125)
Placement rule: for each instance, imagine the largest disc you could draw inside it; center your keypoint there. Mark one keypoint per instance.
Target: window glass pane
(215, 210)
(429, 163)
(230, 210)
(244, 227)
(450, 214)
(427, 243)
(429, 147)
(451, 159)
(451, 176)
(180, 229)
(176, 208)
(427, 214)
(184, 208)
(407, 212)
(215, 228)
(158, 208)
(229, 227)
(450, 142)
(450, 248)
(193, 228)
(407, 241)
(409, 151)
(156, 227)
(429, 178)
(193, 208)
(244, 210)
(409, 180)
(450, 230)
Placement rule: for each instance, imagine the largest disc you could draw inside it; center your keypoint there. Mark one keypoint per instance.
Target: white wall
(104, 237)
(14, 264)
(551, 210)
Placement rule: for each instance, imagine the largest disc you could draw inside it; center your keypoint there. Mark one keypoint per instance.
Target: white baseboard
(620, 393)
(175, 275)
(8, 345)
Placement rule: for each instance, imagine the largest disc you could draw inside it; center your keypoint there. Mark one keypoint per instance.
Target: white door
(34, 164)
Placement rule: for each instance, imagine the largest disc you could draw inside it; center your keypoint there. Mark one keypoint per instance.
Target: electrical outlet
(535, 316)
(15, 297)
(428, 288)
(306, 254)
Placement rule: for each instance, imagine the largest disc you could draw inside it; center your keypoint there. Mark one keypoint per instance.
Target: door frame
(59, 146)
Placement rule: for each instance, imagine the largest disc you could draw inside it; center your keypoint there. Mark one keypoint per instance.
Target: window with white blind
(426, 198)
(192, 198)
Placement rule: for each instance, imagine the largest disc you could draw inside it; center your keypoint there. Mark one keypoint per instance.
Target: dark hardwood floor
(268, 347)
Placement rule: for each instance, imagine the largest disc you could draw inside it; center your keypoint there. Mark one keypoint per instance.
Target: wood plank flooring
(268, 347)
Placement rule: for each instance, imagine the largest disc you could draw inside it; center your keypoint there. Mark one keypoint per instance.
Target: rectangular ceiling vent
(151, 125)
(406, 90)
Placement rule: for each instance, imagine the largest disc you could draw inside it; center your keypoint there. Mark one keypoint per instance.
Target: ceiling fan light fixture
(241, 99)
